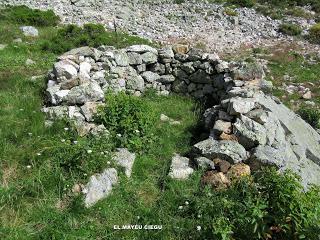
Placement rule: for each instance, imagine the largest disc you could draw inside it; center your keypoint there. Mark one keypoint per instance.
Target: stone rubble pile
(245, 126)
(197, 22)
(80, 78)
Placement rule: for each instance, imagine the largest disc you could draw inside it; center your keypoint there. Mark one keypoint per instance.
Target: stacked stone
(81, 77)
(246, 125)
(134, 70)
(253, 128)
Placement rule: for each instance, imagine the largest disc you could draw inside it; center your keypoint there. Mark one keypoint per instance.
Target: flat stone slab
(100, 186)
(231, 151)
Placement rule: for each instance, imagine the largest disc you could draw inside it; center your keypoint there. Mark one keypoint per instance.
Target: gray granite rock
(29, 31)
(180, 168)
(100, 186)
(231, 151)
(125, 159)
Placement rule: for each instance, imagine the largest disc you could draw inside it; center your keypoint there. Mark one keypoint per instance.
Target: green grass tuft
(290, 29)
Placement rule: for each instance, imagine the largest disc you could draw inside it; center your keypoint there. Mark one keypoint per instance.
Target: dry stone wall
(245, 125)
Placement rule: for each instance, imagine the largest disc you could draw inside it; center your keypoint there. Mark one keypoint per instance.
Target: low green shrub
(314, 33)
(179, 1)
(290, 29)
(268, 205)
(311, 116)
(131, 121)
(267, 10)
(93, 35)
(299, 12)
(27, 16)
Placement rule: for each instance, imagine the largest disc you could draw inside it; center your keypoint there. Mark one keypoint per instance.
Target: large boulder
(296, 147)
(231, 151)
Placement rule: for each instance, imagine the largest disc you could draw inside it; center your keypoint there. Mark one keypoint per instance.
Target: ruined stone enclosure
(245, 124)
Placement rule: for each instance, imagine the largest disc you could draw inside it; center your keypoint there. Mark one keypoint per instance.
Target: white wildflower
(180, 207)
(198, 228)
(89, 151)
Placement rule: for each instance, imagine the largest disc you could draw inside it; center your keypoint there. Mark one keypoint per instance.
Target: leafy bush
(290, 29)
(315, 33)
(27, 16)
(268, 206)
(130, 120)
(179, 1)
(94, 35)
(311, 116)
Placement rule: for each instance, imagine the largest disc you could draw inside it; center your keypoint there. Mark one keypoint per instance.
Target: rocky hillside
(209, 25)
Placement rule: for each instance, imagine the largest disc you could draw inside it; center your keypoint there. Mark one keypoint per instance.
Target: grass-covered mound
(93, 35)
(290, 29)
(315, 33)
(27, 16)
